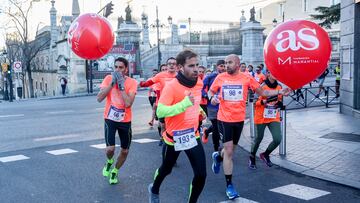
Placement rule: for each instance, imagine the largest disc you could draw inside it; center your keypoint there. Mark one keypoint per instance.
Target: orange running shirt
(114, 100)
(162, 78)
(174, 93)
(260, 78)
(233, 95)
(272, 114)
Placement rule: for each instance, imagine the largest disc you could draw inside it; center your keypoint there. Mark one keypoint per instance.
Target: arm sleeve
(253, 84)
(167, 111)
(147, 83)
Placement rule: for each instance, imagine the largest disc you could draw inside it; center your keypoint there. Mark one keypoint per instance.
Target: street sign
(17, 67)
(4, 67)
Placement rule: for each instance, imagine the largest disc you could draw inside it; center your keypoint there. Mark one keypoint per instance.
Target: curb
(292, 166)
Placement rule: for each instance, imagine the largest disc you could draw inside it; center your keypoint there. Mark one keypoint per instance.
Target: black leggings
(152, 101)
(197, 160)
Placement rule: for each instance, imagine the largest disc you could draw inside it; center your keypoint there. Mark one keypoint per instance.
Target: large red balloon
(297, 52)
(90, 36)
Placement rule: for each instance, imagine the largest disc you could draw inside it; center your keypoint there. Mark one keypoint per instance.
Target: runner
(233, 87)
(204, 100)
(267, 115)
(119, 91)
(212, 109)
(161, 78)
(152, 97)
(259, 77)
(179, 104)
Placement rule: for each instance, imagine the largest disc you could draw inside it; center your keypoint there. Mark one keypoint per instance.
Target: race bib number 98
(232, 92)
(184, 139)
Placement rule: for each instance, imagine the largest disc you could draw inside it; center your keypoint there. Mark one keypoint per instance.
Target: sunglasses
(120, 67)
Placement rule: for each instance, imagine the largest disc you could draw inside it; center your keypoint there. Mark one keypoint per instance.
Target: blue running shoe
(153, 198)
(231, 192)
(216, 164)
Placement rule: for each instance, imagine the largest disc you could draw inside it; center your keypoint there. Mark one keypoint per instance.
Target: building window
(281, 9)
(260, 13)
(305, 5)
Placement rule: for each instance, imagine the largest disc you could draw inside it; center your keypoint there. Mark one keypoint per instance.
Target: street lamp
(189, 19)
(8, 94)
(157, 25)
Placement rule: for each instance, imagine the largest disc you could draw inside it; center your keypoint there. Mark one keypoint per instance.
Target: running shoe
(231, 192)
(113, 176)
(216, 164)
(107, 167)
(252, 164)
(153, 198)
(266, 159)
(204, 137)
(151, 123)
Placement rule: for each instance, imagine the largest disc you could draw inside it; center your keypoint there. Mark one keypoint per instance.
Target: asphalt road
(31, 130)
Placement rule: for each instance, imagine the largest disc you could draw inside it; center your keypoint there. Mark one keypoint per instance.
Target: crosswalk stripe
(145, 140)
(61, 151)
(300, 192)
(239, 200)
(13, 115)
(13, 158)
(101, 146)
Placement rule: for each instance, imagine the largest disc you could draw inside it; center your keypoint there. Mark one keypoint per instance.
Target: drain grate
(342, 136)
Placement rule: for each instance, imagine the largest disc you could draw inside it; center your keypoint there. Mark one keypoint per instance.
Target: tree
(18, 13)
(328, 15)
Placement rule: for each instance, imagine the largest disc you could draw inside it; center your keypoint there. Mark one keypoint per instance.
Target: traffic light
(108, 9)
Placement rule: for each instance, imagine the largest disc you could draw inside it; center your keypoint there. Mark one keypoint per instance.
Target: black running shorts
(123, 129)
(230, 131)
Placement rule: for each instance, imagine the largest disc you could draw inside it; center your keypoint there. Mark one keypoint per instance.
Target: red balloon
(297, 52)
(90, 36)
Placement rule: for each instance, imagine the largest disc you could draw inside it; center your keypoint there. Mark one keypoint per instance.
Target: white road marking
(61, 151)
(101, 146)
(60, 112)
(145, 140)
(300, 192)
(13, 115)
(13, 158)
(239, 200)
(99, 109)
(56, 137)
(142, 96)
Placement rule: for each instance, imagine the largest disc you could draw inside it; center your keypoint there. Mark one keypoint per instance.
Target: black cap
(219, 62)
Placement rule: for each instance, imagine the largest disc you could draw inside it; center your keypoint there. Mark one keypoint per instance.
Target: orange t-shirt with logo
(260, 78)
(267, 113)
(233, 91)
(174, 93)
(114, 100)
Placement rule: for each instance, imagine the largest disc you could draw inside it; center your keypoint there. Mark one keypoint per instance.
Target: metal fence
(311, 97)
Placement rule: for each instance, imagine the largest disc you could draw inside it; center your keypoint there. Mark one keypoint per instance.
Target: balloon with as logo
(90, 36)
(297, 52)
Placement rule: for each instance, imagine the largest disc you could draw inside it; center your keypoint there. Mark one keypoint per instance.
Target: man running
(212, 109)
(233, 91)
(119, 91)
(152, 97)
(162, 78)
(179, 104)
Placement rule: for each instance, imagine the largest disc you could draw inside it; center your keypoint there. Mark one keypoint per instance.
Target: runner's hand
(191, 97)
(114, 76)
(215, 100)
(285, 91)
(121, 81)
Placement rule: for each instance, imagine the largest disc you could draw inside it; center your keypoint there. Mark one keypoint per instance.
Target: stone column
(252, 43)
(350, 57)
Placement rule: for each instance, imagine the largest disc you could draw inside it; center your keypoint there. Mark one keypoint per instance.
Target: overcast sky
(180, 10)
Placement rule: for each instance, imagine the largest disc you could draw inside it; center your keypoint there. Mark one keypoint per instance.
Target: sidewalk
(320, 142)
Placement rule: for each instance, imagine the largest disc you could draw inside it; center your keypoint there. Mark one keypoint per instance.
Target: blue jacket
(208, 81)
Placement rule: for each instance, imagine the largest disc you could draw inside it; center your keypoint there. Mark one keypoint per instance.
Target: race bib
(184, 139)
(116, 114)
(232, 92)
(270, 111)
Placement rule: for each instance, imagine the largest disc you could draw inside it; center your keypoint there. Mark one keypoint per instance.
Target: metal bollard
(252, 113)
(282, 147)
